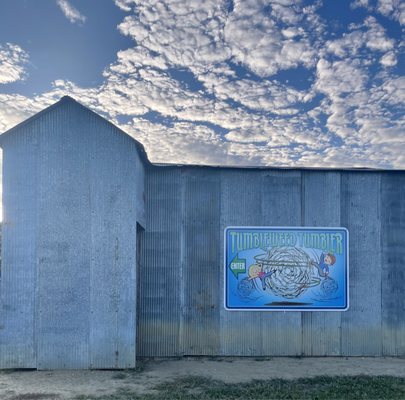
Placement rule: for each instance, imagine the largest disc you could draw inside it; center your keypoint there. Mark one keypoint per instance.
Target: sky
(283, 83)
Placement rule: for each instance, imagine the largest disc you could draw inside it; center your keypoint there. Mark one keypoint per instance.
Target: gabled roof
(66, 100)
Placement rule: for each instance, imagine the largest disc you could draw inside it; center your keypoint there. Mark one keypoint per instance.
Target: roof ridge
(68, 99)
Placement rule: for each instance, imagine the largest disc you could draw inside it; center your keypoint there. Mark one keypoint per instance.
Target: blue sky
(233, 82)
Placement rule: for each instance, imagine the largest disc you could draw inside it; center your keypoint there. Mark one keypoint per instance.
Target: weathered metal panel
(63, 258)
(178, 204)
(321, 207)
(161, 270)
(240, 332)
(361, 214)
(125, 256)
(115, 187)
(281, 206)
(181, 268)
(75, 187)
(202, 264)
(19, 255)
(393, 263)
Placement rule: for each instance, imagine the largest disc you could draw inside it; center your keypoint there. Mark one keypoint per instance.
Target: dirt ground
(42, 385)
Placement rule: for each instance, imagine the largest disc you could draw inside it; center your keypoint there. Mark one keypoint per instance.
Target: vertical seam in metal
(182, 263)
(379, 213)
(340, 219)
(303, 224)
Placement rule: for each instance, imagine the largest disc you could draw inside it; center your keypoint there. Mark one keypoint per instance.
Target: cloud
(16, 108)
(360, 3)
(13, 60)
(394, 9)
(186, 34)
(339, 77)
(199, 34)
(268, 96)
(389, 59)
(125, 5)
(359, 94)
(70, 12)
(257, 40)
(361, 38)
(205, 83)
(376, 39)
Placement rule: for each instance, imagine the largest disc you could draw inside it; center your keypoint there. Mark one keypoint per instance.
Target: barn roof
(62, 102)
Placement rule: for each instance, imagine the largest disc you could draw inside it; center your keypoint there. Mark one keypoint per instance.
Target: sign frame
(288, 308)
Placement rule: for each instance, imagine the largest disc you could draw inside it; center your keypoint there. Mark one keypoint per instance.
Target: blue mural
(283, 268)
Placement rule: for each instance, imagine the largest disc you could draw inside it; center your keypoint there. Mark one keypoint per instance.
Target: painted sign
(286, 269)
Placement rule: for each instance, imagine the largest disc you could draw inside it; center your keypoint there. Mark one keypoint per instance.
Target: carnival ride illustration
(289, 272)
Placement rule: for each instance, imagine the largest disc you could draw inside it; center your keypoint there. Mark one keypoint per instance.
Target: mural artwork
(286, 269)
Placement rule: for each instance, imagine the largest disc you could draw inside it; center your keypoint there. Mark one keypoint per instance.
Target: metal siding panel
(281, 206)
(19, 257)
(113, 202)
(55, 298)
(321, 330)
(160, 272)
(240, 331)
(361, 324)
(64, 247)
(132, 189)
(103, 274)
(201, 274)
(393, 262)
(140, 186)
(63, 279)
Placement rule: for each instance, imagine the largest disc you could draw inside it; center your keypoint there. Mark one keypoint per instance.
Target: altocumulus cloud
(70, 12)
(232, 107)
(12, 63)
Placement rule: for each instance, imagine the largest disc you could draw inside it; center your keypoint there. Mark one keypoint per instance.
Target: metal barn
(107, 257)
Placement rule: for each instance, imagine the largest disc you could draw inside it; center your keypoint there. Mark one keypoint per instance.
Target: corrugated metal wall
(73, 191)
(73, 194)
(19, 257)
(181, 277)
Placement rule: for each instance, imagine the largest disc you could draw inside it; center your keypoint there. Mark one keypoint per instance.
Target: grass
(126, 373)
(119, 375)
(35, 396)
(320, 388)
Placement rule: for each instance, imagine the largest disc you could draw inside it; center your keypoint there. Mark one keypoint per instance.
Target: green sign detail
(238, 266)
